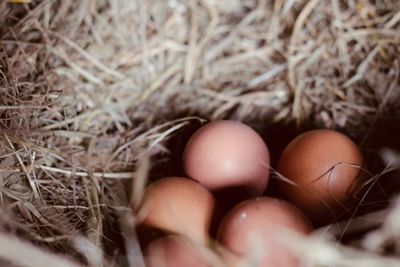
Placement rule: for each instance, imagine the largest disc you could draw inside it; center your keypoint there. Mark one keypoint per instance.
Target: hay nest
(94, 93)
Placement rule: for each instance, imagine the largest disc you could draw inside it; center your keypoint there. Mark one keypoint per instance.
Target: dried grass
(87, 88)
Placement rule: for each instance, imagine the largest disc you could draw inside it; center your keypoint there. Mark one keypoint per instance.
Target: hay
(87, 88)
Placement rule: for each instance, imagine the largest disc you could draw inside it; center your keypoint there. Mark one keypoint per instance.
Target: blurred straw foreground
(92, 91)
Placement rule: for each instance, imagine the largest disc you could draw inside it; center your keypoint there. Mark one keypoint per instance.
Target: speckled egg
(323, 168)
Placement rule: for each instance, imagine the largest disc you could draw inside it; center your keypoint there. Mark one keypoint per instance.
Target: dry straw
(91, 90)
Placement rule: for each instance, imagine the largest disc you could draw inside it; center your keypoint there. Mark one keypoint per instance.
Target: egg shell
(325, 166)
(174, 251)
(179, 205)
(228, 157)
(255, 228)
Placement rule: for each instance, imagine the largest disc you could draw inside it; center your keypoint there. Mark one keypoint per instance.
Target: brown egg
(254, 230)
(174, 251)
(324, 165)
(228, 157)
(179, 205)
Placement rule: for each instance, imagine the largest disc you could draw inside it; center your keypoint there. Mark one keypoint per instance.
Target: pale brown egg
(254, 230)
(324, 166)
(179, 205)
(228, 157)
(174, 251)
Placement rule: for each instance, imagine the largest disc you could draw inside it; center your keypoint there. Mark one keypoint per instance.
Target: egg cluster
(228, 164)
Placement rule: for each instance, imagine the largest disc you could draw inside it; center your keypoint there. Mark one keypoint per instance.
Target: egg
(228, 158)
(174, 251)
(178, 205)
(324, 169)
(254, 230)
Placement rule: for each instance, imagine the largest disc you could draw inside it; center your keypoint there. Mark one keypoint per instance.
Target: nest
(93, 95)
